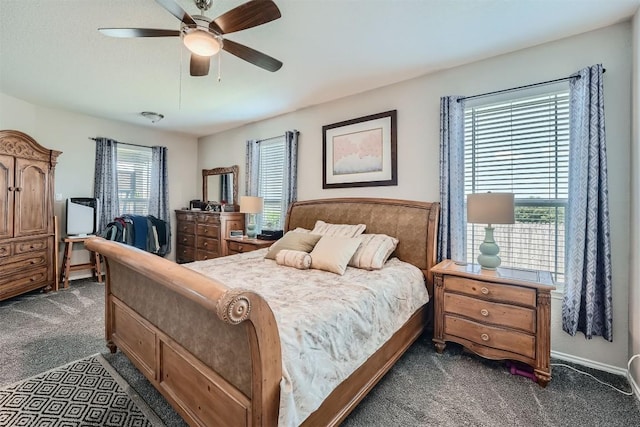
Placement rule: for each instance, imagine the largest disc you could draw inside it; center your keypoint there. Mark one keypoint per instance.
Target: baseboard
(589, 363)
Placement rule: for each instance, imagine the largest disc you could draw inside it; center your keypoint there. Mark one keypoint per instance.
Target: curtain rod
(269, 139)
(513, 89)
(126, 143)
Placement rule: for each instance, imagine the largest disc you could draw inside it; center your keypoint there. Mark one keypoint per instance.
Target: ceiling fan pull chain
(180, 84)
(219, 66)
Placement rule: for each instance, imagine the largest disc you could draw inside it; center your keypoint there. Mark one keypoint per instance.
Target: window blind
(134, 174)
(522, 146)
(271, 181)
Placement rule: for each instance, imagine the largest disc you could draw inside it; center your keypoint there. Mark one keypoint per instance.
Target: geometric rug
(87, 392)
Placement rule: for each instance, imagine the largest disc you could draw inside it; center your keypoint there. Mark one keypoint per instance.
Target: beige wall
(417, 102)
(70, 132)
(634, 241)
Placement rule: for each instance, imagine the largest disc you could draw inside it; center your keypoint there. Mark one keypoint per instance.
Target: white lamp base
(488, 258)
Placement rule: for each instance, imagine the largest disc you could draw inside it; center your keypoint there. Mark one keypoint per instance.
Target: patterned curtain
(159, 186)
(105, 185)
(451, 234)
(252, 168)
(587, 304)
(290, 172)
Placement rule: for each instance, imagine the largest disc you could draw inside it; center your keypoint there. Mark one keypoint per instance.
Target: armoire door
(31, 198)
(6, 196)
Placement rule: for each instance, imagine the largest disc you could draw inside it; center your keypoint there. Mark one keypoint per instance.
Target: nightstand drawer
(491, 312)
(489, 336)
(491, 291)
(238, 247)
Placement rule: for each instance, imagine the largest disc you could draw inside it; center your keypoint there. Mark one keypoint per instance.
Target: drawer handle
(484, 337)
(205, 244)
(484, 312)
(240, 248)
(484, 290)
(184, 239)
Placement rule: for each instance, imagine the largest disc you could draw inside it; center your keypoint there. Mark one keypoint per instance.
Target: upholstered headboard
(413, 223)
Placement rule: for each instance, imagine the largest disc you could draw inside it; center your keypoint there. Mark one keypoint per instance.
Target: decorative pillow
(332, 253)
(295, 241)
(374, 251)
(297, 259)
(301, 230)
(342, 230)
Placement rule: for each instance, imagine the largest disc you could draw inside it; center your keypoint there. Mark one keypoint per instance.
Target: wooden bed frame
(214, 352)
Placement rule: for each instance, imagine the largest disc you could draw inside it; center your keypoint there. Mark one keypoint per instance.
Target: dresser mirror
(220, 184)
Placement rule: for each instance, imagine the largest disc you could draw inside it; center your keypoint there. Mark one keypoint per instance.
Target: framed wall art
(360, 152)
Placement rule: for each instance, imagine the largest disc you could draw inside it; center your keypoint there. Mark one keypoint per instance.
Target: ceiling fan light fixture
(201, 42)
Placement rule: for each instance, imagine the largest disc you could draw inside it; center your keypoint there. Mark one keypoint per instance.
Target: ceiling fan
(204, 37)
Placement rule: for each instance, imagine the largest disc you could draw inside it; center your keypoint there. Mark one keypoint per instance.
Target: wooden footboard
(212, 351)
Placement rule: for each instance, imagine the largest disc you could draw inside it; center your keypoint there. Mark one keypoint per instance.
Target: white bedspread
(329, 324)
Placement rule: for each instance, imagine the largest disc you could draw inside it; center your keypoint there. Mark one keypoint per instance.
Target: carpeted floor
(423, 389)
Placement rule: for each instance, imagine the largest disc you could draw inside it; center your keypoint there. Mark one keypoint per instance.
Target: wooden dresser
(501, 314)
(200, 234)
(27, 242)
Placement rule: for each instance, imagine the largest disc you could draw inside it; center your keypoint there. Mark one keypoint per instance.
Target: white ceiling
(51, 53)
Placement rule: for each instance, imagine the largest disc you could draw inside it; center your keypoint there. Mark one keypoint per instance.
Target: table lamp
(251, 205)
(490, 208)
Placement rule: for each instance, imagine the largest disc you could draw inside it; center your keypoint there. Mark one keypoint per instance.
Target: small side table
(238, 245)
(67, 267)
(501, 314)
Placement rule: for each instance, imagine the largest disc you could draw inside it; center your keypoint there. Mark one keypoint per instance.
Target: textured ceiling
(51, 53)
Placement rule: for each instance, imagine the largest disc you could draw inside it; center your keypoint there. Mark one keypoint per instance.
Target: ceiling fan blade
(177, 11)
(138, 32)
(250, 14)
(252, 56)
(199, 65)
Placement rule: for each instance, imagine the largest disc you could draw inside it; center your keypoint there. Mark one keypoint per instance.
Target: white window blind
(134, 174)
(271, 182)
(522, 146)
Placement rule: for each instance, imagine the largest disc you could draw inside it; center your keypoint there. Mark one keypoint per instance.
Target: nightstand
(238, 245)
(501, 314)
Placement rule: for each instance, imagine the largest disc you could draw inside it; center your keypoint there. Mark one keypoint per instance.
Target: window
(271, 182)
(522, 146)
(134, 174)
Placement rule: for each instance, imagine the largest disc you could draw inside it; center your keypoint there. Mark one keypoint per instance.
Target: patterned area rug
(87, 392)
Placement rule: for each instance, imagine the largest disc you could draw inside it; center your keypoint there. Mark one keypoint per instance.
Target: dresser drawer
(210, 219)
(185, 216)
(5, 249)
(23, 279)
(489, 336)
(187, 227)
(208, 244)
(186, 240)
(30, 245)
(24, 261)
(492, 291)
(511, 316)
(185, 253)
(202, 255)
(209, 230)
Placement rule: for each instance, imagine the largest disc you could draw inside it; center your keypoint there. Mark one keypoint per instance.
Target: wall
(417, 102)
(69, 133)
(634, 241)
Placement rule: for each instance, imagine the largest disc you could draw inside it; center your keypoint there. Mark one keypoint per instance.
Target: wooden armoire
(27, 242)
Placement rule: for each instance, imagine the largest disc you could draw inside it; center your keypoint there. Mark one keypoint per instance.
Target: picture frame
(360, 152)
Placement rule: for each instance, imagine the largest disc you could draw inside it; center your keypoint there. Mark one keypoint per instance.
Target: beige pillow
(342, 230)
(297, 259)
(332, 253)
(295, 241)
(374, 251)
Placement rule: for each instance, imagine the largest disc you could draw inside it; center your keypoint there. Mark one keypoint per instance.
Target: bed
(214, 350)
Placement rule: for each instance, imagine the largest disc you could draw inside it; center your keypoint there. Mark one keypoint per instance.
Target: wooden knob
(18, 188)
(184, 239)
(484, 312)
(240, 249)
(11, 188)
(205, 244)
(484, 337)
(484, 290)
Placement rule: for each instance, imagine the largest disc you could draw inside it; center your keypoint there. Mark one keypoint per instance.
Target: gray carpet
(423, 389)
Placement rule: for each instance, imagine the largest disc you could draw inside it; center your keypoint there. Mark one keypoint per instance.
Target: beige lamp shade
(251, 204)
(490, 208)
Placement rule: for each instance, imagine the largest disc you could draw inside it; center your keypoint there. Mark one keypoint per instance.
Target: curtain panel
(451, 234)
(105, 185)
(587, 301)
(159, 185)
(290, 170)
